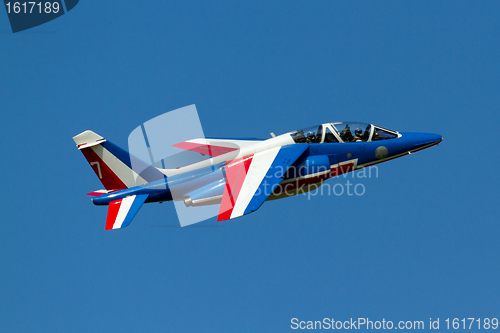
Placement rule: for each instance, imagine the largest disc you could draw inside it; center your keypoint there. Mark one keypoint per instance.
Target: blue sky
(421, 243)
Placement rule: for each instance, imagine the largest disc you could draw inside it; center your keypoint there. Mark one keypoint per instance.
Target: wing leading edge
(252, 179)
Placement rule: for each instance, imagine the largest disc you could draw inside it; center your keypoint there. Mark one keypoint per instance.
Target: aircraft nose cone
(424, 139)
(421, 140)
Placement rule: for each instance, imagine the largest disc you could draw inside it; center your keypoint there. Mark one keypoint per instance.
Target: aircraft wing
(250, 180)
(214, 147)
(121, 212)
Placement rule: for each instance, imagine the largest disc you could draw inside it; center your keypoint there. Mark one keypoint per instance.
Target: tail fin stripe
(135, 204)
(113, 209)
(148, 172)
(123, 212)
(126, 175)
(120, 154)
(108, 178)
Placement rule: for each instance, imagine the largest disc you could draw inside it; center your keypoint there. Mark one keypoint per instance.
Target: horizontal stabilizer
(121, 212)
(99, 192)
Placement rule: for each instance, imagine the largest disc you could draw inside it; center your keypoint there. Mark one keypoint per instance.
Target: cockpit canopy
(343, 132)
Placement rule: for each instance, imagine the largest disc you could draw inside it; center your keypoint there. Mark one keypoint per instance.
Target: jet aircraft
(239, 175)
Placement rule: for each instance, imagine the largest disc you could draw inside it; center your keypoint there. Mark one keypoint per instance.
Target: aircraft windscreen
(381, 134)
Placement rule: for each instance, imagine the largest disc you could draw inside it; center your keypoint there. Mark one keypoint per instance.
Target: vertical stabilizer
(111, 164)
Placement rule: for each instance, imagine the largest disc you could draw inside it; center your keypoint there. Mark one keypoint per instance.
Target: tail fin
(112, 164)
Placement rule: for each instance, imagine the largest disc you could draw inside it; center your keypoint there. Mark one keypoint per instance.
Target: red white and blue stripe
(121, 212)
(252, 179)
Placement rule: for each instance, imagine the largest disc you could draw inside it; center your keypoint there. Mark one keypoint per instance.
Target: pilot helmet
(310, 134)
(358, 131)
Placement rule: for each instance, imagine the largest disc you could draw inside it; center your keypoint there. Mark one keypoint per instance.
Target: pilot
(357, 135)
(310, 137)
(300, 137)
(346, 134)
